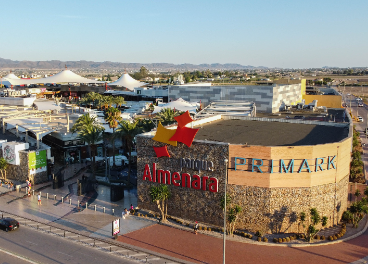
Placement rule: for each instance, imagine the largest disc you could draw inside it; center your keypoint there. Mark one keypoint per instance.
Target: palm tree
(3, 167)
(112, 117)
(119, 100)
(90, 131)
(146, 124)
(159, 195)
(166, 116)
(93, 98)
(128, 131)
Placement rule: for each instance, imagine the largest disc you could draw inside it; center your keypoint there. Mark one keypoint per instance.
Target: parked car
(360, 105)
(9, 224)
(360, 119)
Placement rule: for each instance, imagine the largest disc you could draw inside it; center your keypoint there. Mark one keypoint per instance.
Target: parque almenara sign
(184, 179)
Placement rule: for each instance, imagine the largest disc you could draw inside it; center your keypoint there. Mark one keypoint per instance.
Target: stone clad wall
(21, 173)
(188, 203)
(274, 210)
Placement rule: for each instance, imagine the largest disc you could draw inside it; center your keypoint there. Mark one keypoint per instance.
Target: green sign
(37, 159)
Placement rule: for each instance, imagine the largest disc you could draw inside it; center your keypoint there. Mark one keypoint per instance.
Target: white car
(360, 105)
(360, 119)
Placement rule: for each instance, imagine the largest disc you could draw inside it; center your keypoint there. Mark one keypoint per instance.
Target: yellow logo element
(163, 135)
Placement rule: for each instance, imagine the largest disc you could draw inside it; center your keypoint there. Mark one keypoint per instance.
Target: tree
(232, 213)
(366, 191)
(145, 124)
(112, 117)
(357, 194)
(90, 131)
(143, 72)
(160, 195)
(128, 131)
(3, 166)
(356, 212)
(302, 220)
(315, 219)
(166, 116)
(119, 100)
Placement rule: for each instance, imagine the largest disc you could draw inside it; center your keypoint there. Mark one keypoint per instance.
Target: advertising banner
(37, 160)
(115, 227)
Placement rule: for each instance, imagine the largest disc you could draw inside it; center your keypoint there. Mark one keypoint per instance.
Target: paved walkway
(206, 249)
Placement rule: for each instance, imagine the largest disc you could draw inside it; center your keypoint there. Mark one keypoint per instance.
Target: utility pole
(225, 160)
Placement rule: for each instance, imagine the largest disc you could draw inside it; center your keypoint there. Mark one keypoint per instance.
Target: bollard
(86, 205)
(62, 199)
(33, 192)
(64, 233)
(47, 195)
(54, 196)
(146, 259)
(110, 248)
(104, 210)
(50, 229)
(37, 226)
(113, 211)
(95, 207)
(70, 201)
(94, 242)
(2, 215)
(78, 203)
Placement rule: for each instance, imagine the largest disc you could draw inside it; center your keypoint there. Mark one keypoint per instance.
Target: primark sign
(285, 166)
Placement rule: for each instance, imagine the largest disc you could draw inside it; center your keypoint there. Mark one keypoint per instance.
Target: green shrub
(250, 236)
(258, 234)
(205, 228)
(259, 239)
(280, 240)
(199, 228)
(335, 237)
(222, 230)
(283, 240)
(209, 229)
(317, 237)
(287, 239)
(275, 240)
(323, 238)
(265, 239)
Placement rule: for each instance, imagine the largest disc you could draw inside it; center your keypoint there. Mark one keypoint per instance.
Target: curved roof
(128, 82)
(65, 76)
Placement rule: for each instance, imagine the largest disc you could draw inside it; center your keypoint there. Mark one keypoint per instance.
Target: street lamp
(225, 160)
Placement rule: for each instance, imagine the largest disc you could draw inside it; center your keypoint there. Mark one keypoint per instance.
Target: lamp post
(225, 160)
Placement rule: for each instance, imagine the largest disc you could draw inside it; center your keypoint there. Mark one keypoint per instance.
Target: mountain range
(6, 64)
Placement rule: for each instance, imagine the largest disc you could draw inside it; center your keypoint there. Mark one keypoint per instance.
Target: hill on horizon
(7, 64)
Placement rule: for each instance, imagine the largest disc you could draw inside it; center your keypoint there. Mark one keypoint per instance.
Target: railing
(99, 243)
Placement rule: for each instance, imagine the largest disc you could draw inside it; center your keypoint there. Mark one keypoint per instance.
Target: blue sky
(289, 34)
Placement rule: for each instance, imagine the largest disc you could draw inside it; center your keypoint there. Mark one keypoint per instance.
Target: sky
(271, 33)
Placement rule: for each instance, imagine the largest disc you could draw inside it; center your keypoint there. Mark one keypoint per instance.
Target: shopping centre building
(276, 169)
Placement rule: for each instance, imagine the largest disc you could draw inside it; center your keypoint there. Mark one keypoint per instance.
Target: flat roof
(265, 133)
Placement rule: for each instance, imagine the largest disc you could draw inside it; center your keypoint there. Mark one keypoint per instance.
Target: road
(39, 247)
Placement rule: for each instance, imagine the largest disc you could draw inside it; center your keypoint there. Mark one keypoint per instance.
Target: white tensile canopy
(65, 76)
(11, 76)
(128, 82)
(179, 104)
